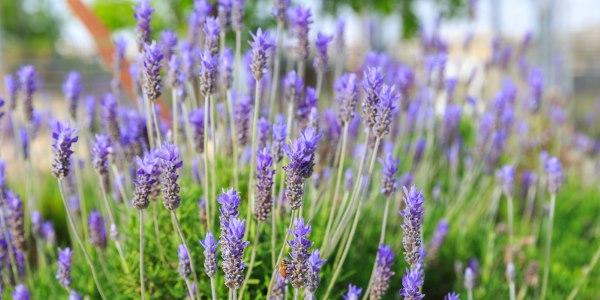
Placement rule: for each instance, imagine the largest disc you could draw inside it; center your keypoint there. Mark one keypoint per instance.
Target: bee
(282, 267)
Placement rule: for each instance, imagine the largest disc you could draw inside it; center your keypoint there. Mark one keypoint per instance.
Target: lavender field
(228, 161)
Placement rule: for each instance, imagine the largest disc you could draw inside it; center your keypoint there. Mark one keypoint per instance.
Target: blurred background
(61, 35)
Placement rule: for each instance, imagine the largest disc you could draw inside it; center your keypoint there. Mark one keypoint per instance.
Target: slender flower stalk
(28, 82)
(506, 176)
(321, 59)
(63, 274)
(554, 176)
(72, 88)
(210, 260)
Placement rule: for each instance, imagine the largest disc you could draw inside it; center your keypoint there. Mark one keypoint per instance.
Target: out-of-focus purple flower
(16, 220)
(101, 149)
(279, 136)
(528, 180)
(353, 292)
(11, 84)
(300, 19)
(170, 164)
(439, 235)
(535, 81)
(230, 203)
(264, 184)
(153, 57)
(304, 108)
(47, 232)
(384, 266)
(451, 123)
(90, 120)
(372, 83)
(261, 44)
(143, 16)
(224, 13)
(346, 95)
(321, 44)
(412, 283)
(63, 274)
(292, 87)
(340, 33)
(389, 170)
(452, 296)
(197, 120)
(298, 268)
(197, 19)
(469, 279)
(241, 115)
(210, 254)
(185, 267)
(208, 73)
(301, 162)
(146, 179)
(97, 230)
(554, 174)
(63, 138)
(237, 15)
(119, 55)
(212, 31)
(226, 69)
(168, 44)
(28, 82)
(387, 103)
(280, 8)
(406, 179)
(73, 295)
(20, 293)
(72, 88)
(109, 117)
(24, 138)
(315, 263)
(176, 78)
(278, 290)
(412, 226)
(233, 253)
(419, 150)
(506, 178)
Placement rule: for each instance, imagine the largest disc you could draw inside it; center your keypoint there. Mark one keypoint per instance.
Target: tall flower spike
(224, 13)
(63, 274)
(171, 164)
(346, 95)
(21, 293)
(143, 16)
(212, 31)
(241, 115)
(353, 292)
(168, 44)
(439, 235)
(11, 84)
(72, 88)
(280, 10)
(28, 83)
(261, 44)
(197, 120)
(101, 149)
(389, 182)
(16, 220)
(555, 175)
(97, 230)
(383, 272)
(230, 204)
(279, 136)
(506, 178)
(300, 19)
(237, 15)
(233, 253)
(110, 117)
(146, 179)
(372, 83)
(262, 134)
(278, 290)
(321, 44)
(412, 226)
(387, 103)
(292, 87)
(185, 268)
(153, 57)
(208, 72)
(264, 184)
(452, 296)
(210, 254)
(226, 69)
(315, 263)
(298, 268)
(63, 138)
(469, 279)
(301, 162)
(412, 283)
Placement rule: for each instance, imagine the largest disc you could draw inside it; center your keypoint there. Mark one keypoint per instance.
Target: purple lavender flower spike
(210, 254)
(233, 253)
(241, 115)
(2, 176)
(20, 293)
(413, 222)
(263, 132)
(321, 44)
(63, 138)
(278, 290)
(63, 274)
(452, 296)
(109, 117)
(91, 113)
(353, 292)
(208, 72)
(168, 44)
(230, 204)
(419, 150)
(279, 136)
(24, 137)
(143, 16)
(226, 69)
(146, 179)
(176, 78)
(439, 235)
(224, 13)
(280, 8)
(264, 184)
(171, 164)
(97, 230)
(237, 15)
(536, 87)
(301, 155)
(315, 263)
(73, 295)
(185, 268)
(212, 31)
(28, 82)
(384, 266)
(372, 83)
(197, 19)
(300, 20)
(389, 182)
(554, 174)
(11, 84)
(469, 279)
(16, 220)
(528, 180)
(153, 57)
(261, 44)
(412, 282)
(101, 149)
(452, 117)
(340, 33)
(292, 87)
(346, 95)
(506, 177)
(119, 56)
(72, 88)
(197, 120)
(304, 108)
(387, 103)
(298, 269)
(47, 232)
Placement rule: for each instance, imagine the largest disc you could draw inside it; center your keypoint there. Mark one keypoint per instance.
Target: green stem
(234, 141)
(175, 112)
(338, 182)
(141, 236)
(112, 221)
(183, 241)
(584, 275)
(276, 66)
(213, 288)
(547, 249)
(205, 157)
(252, 259)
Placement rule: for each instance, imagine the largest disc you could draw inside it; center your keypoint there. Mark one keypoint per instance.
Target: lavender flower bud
(212, 30)
(278, 290)
(412, 282)
(233, 253)
(185, 268)
(383, 272)
(24, 137)
(261, 44)
(226, 69)
(72, 88)
(346, 95)
(224, 13)
(280, 10)
(263, 132)
(298, 269)
(170, 164)
(389, 182)
(279, 136)
(264, 184)
(237, 15)
(16, 221)
(168, 44)
(74, 296)
(536, 88)
(321, 43)
(210, 254)
(146, 179)
(230, 203)
(20, 293)
(451, 123)
(372, 83)
(12, 87)
(439, 235)
(28, 84)
(109, 117)
(47, 232)
(469, 279)
(412, 227)
(63, 138)
(419, 150)
(143, 17)
(97, 230)
(90, 120)
(292, 87)
(241, 115)
(300, 19)
(555, 175)
(197, 120)
(197, 19)
(314, 269)
(101, 149)
(305, 108)
(506, 177)
(153, 57)
(452, 296)
(63, 274)
(208, 73)
(353, 292)
(119, 55)
(301, 162)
